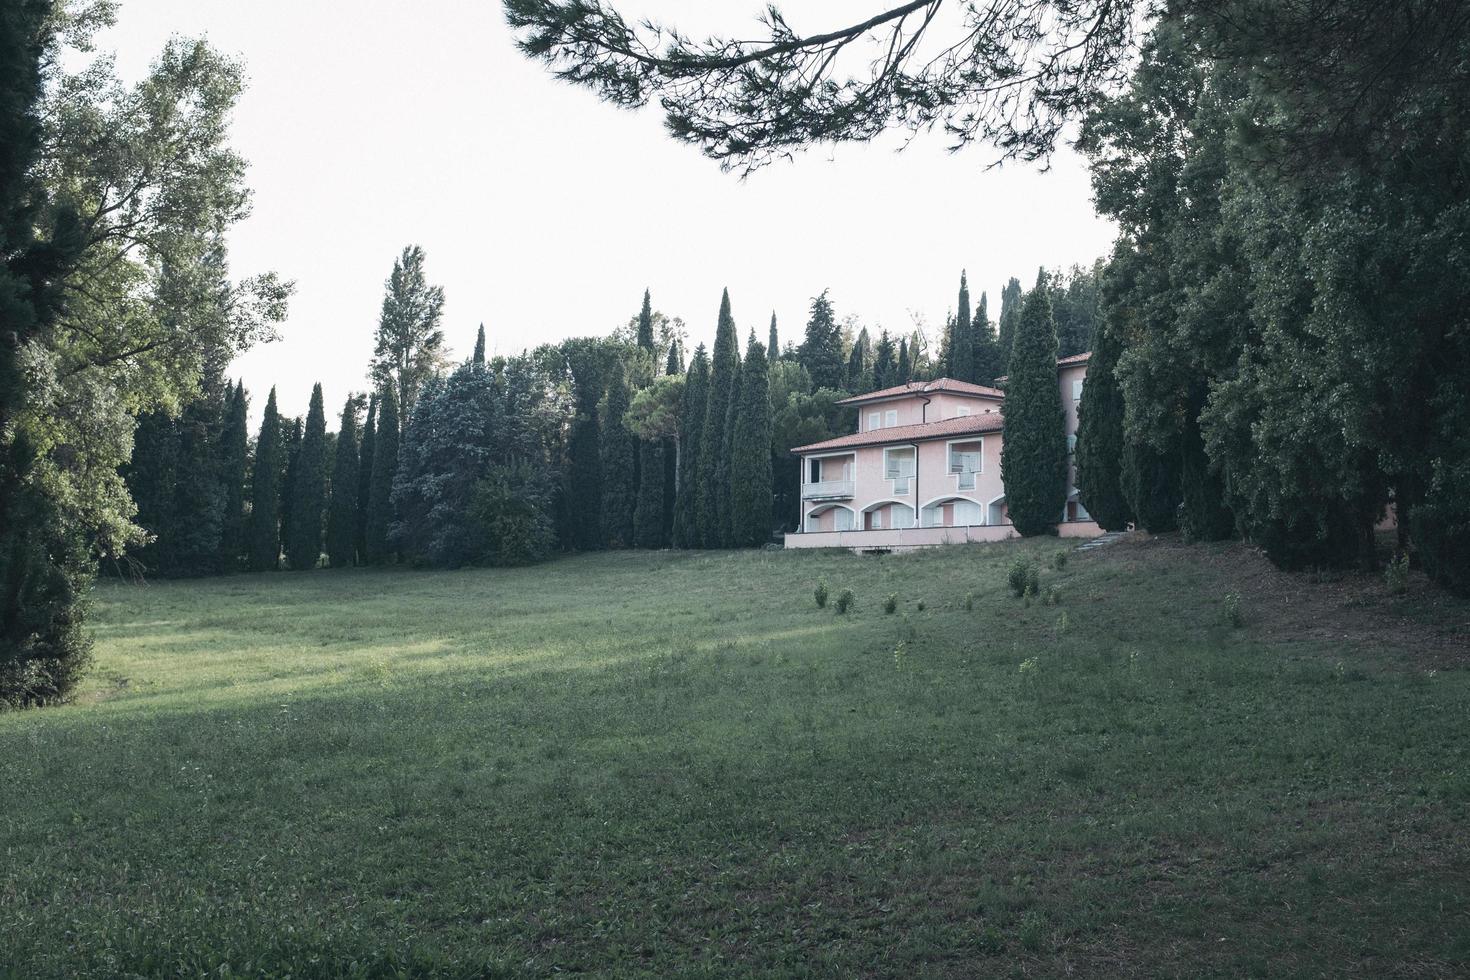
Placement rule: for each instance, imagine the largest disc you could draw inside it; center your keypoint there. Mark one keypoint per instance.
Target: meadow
(665, 764)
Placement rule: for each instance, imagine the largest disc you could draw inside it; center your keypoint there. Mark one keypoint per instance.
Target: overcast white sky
(544, 213)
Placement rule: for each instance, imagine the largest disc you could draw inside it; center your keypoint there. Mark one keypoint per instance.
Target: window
(815, 476)
(898, 466)
(965, 461)
(1077, 390)
(891, 419)
(873, 422)
(962, 411)
(877, 520)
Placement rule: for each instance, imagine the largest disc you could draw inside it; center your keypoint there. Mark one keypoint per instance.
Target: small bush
(1397, 574)
(1059, 560)
(921, 605)
(901, 655)
(821, 595)
(1233, 615)
(1021, 572)
(1063, 624)
(890, 605)
(844, 601)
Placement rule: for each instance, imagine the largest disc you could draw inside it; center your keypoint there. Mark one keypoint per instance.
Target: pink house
(923, 468)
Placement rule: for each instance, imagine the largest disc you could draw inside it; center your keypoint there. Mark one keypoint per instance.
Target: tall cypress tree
(265, 492)
(885, 368)
(691, 432)
(619, 479)
(773, 345)
(234, 449)
(905, 365)
(821, 350)
(750, 452)
(1033, 456)
(675, 362)
(342, 514)
(479, 355)
(648, 512)
(309, 490)
(713, 484)
(645, 323)
(987, 345)
(365, 476)
(291, 456)
(726, 468)
(859, 375)
(960, 363)
(385, 466)
(1010, 314)
(1100, 437)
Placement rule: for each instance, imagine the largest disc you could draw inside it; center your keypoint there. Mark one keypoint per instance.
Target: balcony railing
(826, 490)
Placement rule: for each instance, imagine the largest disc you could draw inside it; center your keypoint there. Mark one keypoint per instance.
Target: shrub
(844, 601)
(890, 605)
(1021, 572)
(901, 655)
(1059, 560)
(821, 595)
(1063, 624)
(921, 605)
(1233, 615)
(1053, 596)
(1397, 574)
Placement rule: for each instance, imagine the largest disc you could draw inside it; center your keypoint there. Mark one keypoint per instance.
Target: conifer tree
(648, 513)
(385, 467)
(773, 346)
(675, 363)
(234, 450)
(645, 323)
(342, 515)
(365, 476)
(265, 492)
(987, 345)
(291, 440)
(1010, 313)
(1100, 438)
(619, 477)
(885, 367)
(960, 362)
(726, 468)
(691, 431)
(750, 452)
(821, 351)
(1033, 461)
(479, 355)
(309, 492)
(858, 376)
(905, 365)
(713, 486)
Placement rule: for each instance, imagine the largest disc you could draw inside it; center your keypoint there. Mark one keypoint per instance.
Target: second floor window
(873, 421)
(891, 419)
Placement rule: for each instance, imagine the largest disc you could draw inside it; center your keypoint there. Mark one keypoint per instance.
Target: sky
(544, 213)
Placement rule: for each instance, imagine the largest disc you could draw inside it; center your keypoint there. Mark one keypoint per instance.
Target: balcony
(827, 490)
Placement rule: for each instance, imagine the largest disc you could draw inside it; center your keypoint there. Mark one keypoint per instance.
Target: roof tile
(962, 425)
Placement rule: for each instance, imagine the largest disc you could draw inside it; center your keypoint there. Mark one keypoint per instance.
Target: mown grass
(654, 765)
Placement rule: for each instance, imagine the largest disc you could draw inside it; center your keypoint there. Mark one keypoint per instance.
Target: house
(923, 468)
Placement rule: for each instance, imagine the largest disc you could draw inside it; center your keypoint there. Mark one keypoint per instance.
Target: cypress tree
(1151, 483)
(645, 323)
(960, 363)
(726, 468)
(713, 490)
(365, 476)
(1010, 313)
(858, 377)
(619, 480)
(342, 515)
(987, 346)
(291, 439)
(265, 532)
(1033, 461)
(821, 351)
(750, 452)
(885, 370)
(905, 366)
(648, 512)
(479, 355)
(675, 363)
(385, 467)
(691, 431)
(309, 490)
(234, 445)
(1100, 438)
(773, 346)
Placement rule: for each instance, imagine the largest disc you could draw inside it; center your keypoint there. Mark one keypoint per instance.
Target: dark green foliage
(691, 432)
(479, 355)
(645, 323)
(365, 476)
(1203, 515)
(674, 364)
(859, 376)
(750, 453)
(619, 461)
(648, 512)
(234, 457)
(886, 369)
(1075, 301)
(512, 515)
(265, 492)
(959, 341)
(342, 517)
(409, 347)
(713, 491)
(821, 351)
(1150, 482)
(987, 346)
(905, 363)
(1034, 451)
(380, 515)
(309, 489)
(844, 602)
(291, 430)
(174, 477)
(773, 348)
(1100, 438)
(1010, 314)
(591, 362)
(819, 594)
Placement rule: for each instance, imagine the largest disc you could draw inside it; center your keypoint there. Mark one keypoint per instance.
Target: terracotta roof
(924, 387)
(962, 425)
(1081, 358)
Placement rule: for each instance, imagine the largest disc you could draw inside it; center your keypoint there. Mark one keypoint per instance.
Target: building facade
(923, 468)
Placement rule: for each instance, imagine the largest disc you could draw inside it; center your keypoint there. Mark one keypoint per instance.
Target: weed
(1063, 624)
(1397, 574)
(921, 605)
(1233, 615)
(1053, 596)
(844, 601)
(969, 602)
(890, 605)
(901, 656)
(1059, 560)
(820, 594)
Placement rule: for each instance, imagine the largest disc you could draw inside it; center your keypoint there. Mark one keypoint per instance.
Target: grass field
(675, 764)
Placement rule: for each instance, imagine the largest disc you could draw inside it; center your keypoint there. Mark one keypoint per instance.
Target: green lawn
(670, 764)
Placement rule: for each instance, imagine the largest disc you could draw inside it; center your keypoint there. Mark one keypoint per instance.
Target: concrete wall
(925, 537)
